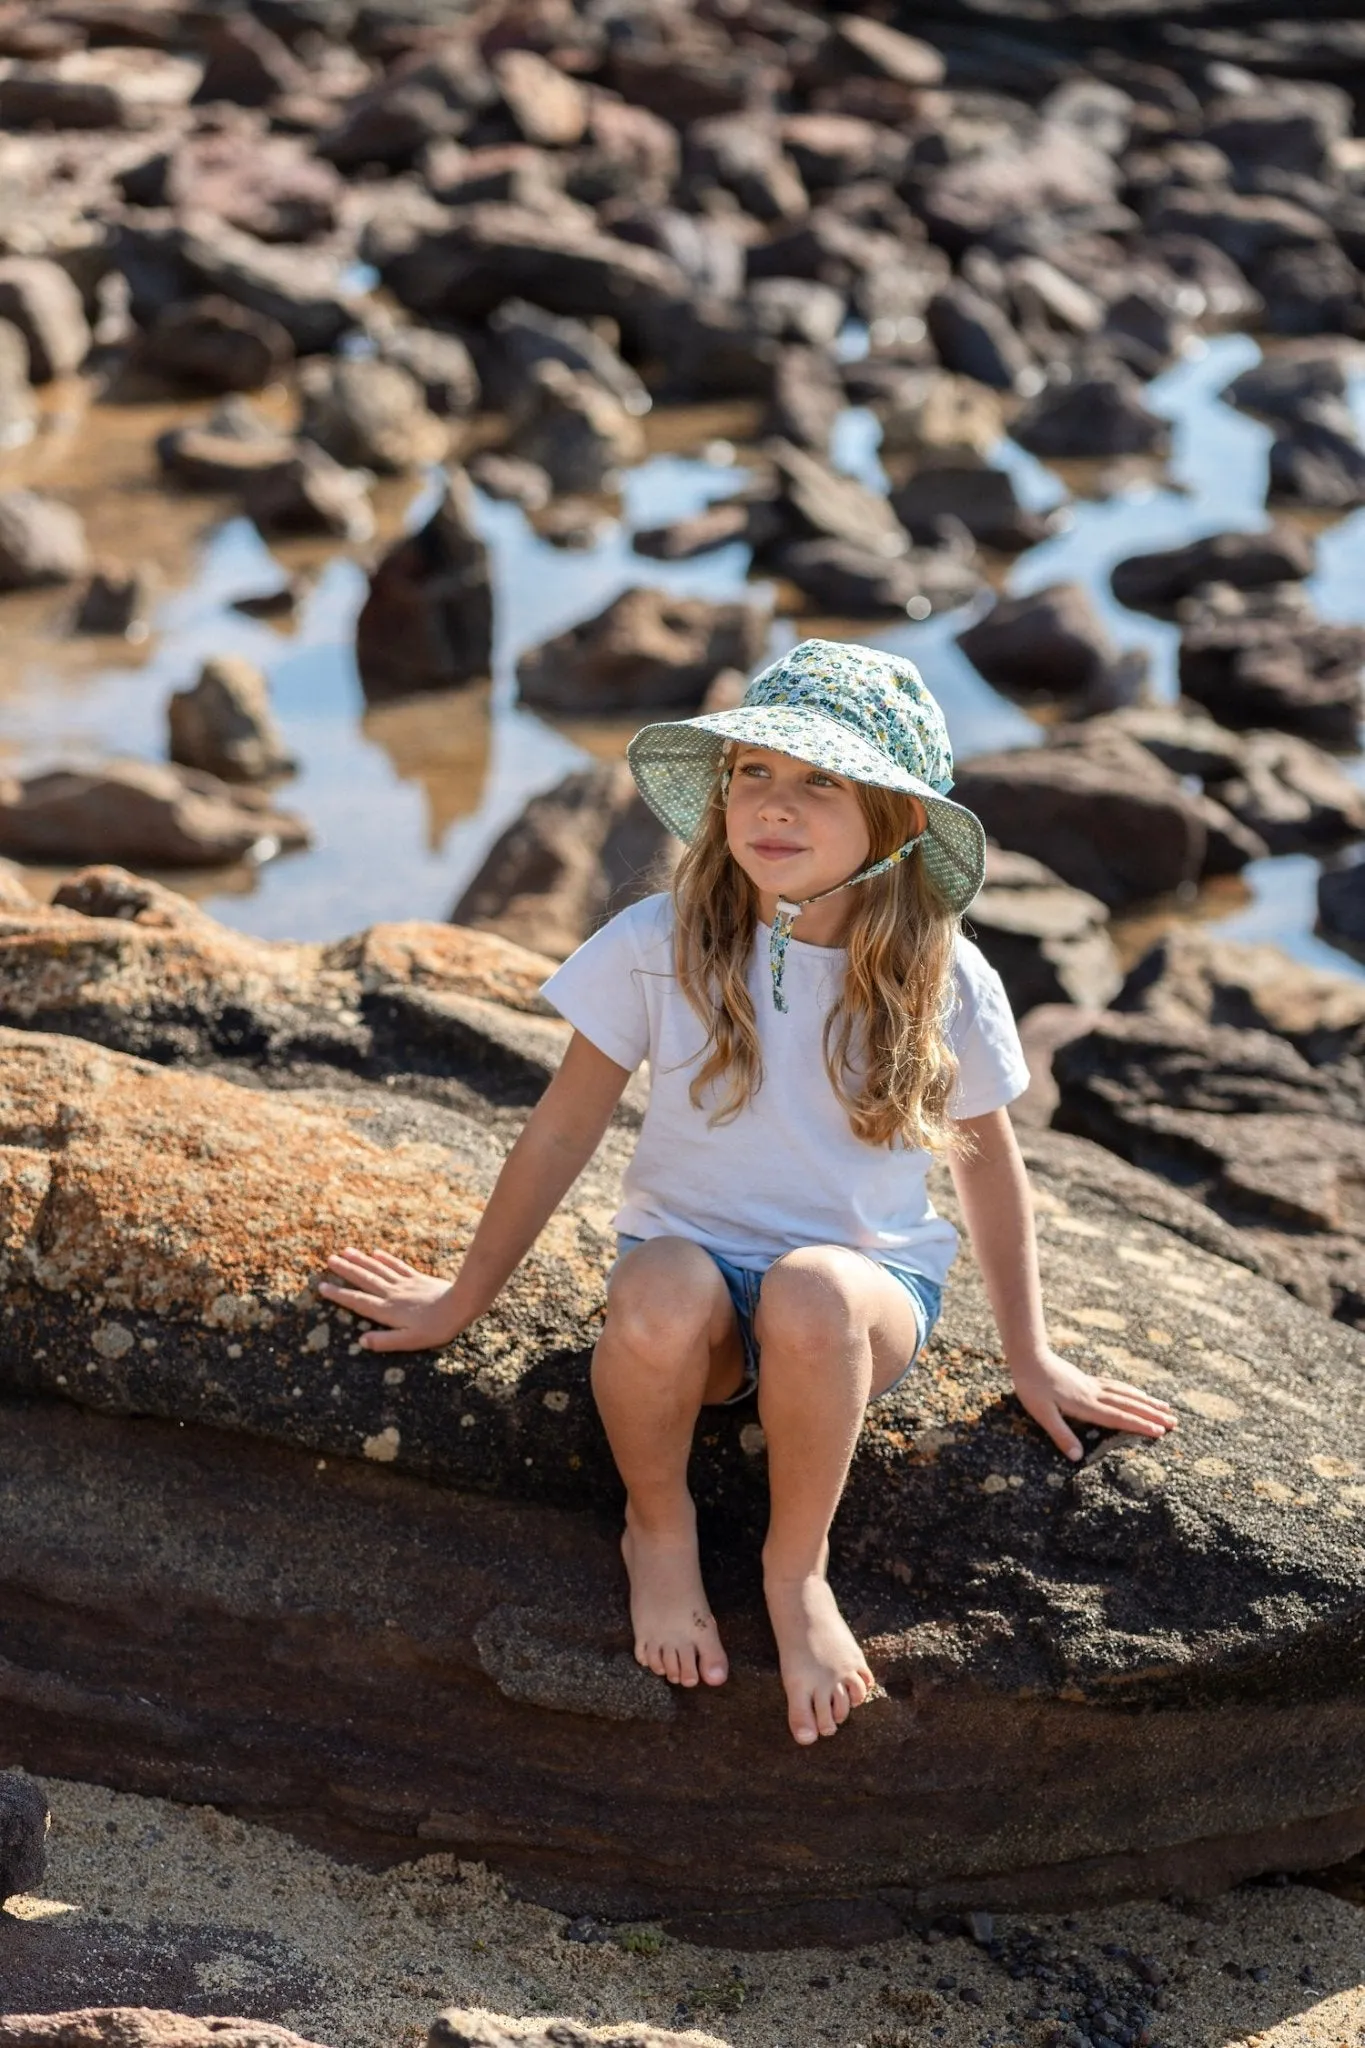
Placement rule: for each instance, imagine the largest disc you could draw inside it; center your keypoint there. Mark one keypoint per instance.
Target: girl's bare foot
(823, 1668)
(675, 1630)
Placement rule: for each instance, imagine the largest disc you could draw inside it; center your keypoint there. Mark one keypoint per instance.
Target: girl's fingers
(390, 1340)
(1050, 1418)
(353, 1259)
(393, 1265)
(360, 1304)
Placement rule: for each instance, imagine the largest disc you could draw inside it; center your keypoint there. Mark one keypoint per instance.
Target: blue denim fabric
(744, 1285)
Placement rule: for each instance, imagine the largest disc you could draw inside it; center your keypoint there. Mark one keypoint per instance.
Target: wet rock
(807, 398)
(858, 582)
(1226, 296)
(368, 414)
(1307, 380)
(213, 344)
(818, 502)
(18, 412)
(223, 452)
(114, 601)
(997, 195)
(126, 2026)
(245, 63)
(41, 541)
(225, 724)
(575, 523)
(1300, 678)
(305, 491)
(1341, 906)
(528, 336)
(1311, 291)
(1110, 821)
(1189, 977)
(1052, 647)
(575, 856)
(1317, 463)
(441, 363)
(142, 814)
(930, 412)
(427, 623)
(1049, 943)
(1098, 412)
(547, 107)
(98, 88)
(511, 480)
(1157, 582)
(491, 253)
(975, 338)
(683, 539)
(24, 1823)
(574, 430)
(745, 157)
(648, 651)
(39, 298)
(261, 183)
(982, 498)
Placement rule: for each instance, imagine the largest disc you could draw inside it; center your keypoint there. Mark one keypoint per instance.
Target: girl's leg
(833, 1330)
(670, 1343)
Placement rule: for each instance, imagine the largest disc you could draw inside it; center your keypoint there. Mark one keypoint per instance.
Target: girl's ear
(725, 785)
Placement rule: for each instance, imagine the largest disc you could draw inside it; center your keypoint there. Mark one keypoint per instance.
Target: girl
(776, 1231)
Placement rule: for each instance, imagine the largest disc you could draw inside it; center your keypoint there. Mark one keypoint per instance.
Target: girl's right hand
(415, 1306)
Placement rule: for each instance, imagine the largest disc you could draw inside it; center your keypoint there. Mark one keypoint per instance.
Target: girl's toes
(841, 1704)
(687, 1666)
(801, 1720)
(671, 1670)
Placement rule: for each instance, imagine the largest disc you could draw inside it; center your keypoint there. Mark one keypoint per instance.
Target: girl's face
(794, 829)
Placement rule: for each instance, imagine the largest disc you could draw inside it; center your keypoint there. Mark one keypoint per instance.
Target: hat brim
(675, 766)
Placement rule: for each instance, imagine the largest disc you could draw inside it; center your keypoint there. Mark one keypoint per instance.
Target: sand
(358, 1959)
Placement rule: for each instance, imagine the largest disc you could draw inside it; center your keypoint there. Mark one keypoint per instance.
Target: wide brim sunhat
(855, 712)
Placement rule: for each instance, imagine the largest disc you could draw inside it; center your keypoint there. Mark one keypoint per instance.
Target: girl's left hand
(1051, 1388)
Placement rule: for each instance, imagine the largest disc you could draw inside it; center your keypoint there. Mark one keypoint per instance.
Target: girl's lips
(774, 849)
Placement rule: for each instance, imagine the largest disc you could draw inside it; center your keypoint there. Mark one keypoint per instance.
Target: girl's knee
(809, 1299)
(662, 1294)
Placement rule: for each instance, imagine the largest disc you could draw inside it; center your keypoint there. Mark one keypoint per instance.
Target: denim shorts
(926, 1297)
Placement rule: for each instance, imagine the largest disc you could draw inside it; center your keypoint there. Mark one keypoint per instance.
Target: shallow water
(405, 800)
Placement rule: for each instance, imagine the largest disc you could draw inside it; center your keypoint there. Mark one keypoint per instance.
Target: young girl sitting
(776, 1231)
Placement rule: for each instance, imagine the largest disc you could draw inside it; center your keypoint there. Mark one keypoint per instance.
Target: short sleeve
(992, 1069)
(600, 991)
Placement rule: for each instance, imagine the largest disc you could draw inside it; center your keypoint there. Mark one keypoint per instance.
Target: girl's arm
(992, 1186)
(559, 1137)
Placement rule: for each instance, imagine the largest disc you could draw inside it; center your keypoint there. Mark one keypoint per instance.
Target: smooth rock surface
(142, 813)
(225, 723)
(647, 651)
(427, 623)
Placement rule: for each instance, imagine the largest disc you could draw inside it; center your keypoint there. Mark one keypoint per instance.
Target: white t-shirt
(787, 1171)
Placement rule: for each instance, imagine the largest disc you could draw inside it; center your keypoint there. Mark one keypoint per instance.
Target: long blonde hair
(885, 1040)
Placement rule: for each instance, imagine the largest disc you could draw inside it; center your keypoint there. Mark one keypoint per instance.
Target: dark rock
(38, 297)
(745, 157)
(705, 253)
(528, 336)
(224, 451)
(305, 491)
(1305, 380)
(126, 2026)
(875, 50)
(1189, 977)
(1049, 943)
(441, 363)
(627, 153)
(391, 127)
(574, 523)
(1341, 906)
(1245, 229)
(817, 502)
(975, 338)
(1301, 679)
(1148, 326)
(792, 309)
(18, 411)
(714, 528)
(513, 174)
(369, 414)
(1098, 412)
(114, 601)
(214, 345)
(24, 1823)
(263, 184)
(511, 480)
(1318, 464)
(300, 288)
(855, 260)
(245, 63)
(575, 856)
(107, 88)
(574, 430)
(930, 413)
(1295, 796)
(1183, 739)
(1052, 647)
(807, 398)
(982, 498)
(548, 108)
(694, 81)
(830, 150)
(999, 195)
(225, 724)
(427, 623)
(1226, 296)
(142, 814)
(1292, 127)
(1311, 291)
(41, 541)
(858, 582)
(1157, 582)
(648, 651)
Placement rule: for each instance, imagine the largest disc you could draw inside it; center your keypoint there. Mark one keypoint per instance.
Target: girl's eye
(823, 781)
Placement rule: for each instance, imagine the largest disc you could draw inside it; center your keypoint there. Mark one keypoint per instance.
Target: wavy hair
(886, 1048)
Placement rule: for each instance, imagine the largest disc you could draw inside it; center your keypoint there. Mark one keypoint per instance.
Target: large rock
(998, 195)
(1099, 412)
(213, 344)
(576, 431)
(370, 415)
(225, 724)
(1303, 678)
(1049, 943)
(128, 2026)
(575, 856)
(648, 651)
(301, 288)
(984, 499)
(1157, 582)
(1318, 463)
(304, 491)
(38, 297)
(266, 185)
(973, 337)
(528, 336)
(433, 1545)
(41, 541)
(142, 813)
(1295, 382)
(18, 408)
(856, 582)
(1053, 647)
(427, 623)
(1341, 907)
(24, 1822)
(815, 501)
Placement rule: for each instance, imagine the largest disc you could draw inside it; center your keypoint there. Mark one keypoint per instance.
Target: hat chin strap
(787, 914)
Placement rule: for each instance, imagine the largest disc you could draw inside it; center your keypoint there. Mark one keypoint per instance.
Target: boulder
(24, 1822)
(1311, 291)
(694, 78)
(576, 855)
(1318, 464)
(264, 184)
(441, 363)
(1157, 582)
(115, 600)
(38, 297)
(427, 623)
(143, 813)
(974, 338)
(982, 498)
(369, 414)
(528, 336)
(1341, 907)
(127, 2026)
(1294, 383)
(862, 583)
(1251, 671)
(1049, 943)
(1190, 977)
(807, 399)
(1098, 412)
(1290, 126)
(1058, 1633)
(815, 501)
(1296, 797)
(574, 430)
(1246, 228)
(213, 344)
(225, 724)
(1053, 647)
(18, 410)
(649, 651)
(41, 541)
(304, 491)
(547, 108)
(997, 194)
(300, 288)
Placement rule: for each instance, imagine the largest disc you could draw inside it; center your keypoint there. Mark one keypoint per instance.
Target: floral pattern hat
(852, 710)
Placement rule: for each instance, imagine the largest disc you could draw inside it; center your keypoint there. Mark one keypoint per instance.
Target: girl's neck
(823, 924)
